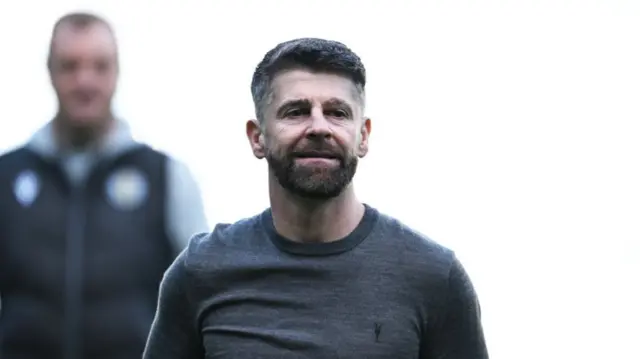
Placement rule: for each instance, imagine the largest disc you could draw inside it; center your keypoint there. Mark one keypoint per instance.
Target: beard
(312, 182)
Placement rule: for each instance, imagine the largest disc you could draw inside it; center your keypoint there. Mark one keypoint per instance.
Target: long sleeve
(174, 333)
(185, 208)
(456, 332)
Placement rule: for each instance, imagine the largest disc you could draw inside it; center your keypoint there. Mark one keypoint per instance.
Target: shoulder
(179, 176)
(14, 161)
(423, 263)
(178, 171)
(206, 251)
(415, 246)
(14, 156)
(143, 152)
(427, 266)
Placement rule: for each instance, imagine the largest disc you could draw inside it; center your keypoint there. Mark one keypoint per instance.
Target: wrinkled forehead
(70, 39)
(313, 86)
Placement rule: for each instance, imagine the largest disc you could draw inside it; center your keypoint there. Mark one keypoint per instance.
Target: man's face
(313, 133)
(84, 73)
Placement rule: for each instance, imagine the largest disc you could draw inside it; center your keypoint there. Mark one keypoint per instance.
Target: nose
(318, 127)
(85, 76)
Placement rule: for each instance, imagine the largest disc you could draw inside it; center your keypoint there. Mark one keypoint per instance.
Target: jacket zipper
(74, 274)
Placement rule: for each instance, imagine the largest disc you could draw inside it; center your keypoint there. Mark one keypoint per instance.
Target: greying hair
(312, 54)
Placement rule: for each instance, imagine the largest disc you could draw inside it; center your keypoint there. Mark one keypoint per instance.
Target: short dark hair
(313, 54)
(80, 21)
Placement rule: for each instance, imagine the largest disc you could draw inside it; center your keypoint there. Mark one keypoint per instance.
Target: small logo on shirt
(127, 189)
(377, 327)
(26, 188)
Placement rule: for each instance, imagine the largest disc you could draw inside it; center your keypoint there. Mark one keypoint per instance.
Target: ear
(255, 136)
(365, 131)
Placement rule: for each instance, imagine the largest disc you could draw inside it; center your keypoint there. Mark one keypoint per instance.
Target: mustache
(316, 154)
(317, 151)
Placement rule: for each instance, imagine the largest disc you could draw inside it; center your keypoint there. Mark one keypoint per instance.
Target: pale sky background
(506, 130)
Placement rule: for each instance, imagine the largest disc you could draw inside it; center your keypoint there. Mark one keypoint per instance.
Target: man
(89, 218)
(319, 274)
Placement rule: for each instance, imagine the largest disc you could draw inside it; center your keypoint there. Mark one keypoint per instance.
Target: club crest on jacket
(26, 187)
(127, 188)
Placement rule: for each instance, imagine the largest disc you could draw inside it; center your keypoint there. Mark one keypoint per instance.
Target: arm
(185, 208)
(174, 333)
(455, 332)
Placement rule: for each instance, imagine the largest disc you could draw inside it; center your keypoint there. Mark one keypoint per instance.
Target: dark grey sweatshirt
(384, 291)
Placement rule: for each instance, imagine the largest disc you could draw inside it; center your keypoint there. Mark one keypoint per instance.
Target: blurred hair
(79, 21)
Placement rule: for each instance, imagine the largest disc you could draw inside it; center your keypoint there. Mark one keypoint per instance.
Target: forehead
(71, 40)
(316, 87)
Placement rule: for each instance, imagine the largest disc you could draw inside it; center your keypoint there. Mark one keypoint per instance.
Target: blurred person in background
(90, 219)
(319, 274)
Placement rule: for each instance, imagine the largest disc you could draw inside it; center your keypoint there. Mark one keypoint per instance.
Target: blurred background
(506, 130)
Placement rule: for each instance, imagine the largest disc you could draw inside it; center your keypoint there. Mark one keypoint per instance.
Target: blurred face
(313, 133)
(84, 73)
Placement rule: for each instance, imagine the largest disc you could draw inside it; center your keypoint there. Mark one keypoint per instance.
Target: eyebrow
(304, 103)
(336, 102)
(297, 103)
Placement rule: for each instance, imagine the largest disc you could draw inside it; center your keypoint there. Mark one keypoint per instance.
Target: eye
(102, 66)
(295, 113)
(337, 113)
(68, 66)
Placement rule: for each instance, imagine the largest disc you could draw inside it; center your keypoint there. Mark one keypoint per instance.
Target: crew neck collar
(345, 244)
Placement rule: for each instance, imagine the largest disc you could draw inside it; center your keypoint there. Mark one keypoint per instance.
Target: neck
(71, 137)
(305, 220)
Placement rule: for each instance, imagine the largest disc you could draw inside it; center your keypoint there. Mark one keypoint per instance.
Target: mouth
(85, 97)
(317, 158)
(317, 155)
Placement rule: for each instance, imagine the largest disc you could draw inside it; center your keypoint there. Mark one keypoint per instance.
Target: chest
(323, 312)
(41, 206)
(51, 223)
